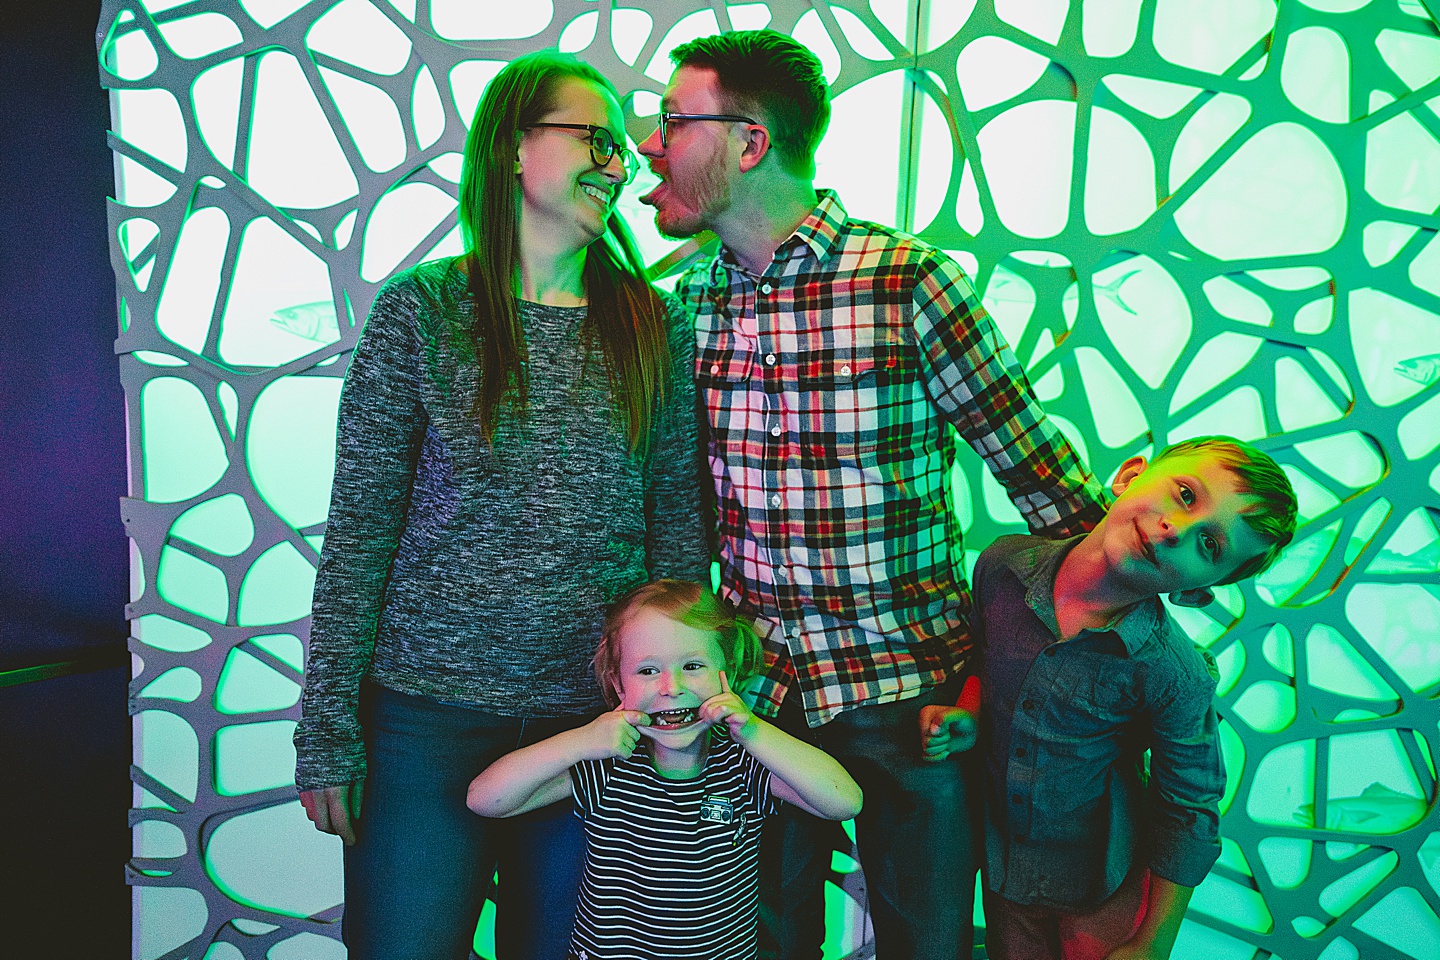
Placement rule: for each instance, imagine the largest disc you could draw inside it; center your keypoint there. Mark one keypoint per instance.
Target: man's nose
(651, 145)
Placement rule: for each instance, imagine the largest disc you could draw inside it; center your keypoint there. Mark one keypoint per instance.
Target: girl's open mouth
(670, 719)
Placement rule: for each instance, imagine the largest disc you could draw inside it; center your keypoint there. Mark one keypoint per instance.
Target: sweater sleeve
(676, 529)
(379, 429)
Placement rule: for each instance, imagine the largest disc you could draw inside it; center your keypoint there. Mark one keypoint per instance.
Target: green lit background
(1188, 217)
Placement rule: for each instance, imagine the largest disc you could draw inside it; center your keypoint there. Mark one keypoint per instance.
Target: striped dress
(672, 866)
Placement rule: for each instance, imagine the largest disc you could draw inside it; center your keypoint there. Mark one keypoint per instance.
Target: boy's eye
(647, 671)
(695, 665)
(1210, 545)
(1187, 496)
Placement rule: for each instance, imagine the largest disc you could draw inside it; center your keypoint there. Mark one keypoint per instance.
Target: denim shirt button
(1019, 751)
(1028, 706)
(1016, 798)
(1050, 651)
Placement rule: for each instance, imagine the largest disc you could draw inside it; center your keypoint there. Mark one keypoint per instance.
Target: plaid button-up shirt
(839, 385)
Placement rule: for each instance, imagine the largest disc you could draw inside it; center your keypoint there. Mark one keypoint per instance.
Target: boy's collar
(1036, 567)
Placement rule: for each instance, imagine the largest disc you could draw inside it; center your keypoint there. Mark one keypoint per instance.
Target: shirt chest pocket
(841, 403)
(1108, 693)
(724, 360)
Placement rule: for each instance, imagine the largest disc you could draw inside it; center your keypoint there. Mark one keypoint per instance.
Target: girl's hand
(946, 730)
(612, 734)
(727, 707)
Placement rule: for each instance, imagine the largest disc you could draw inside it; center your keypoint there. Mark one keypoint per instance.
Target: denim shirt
(1066, 726)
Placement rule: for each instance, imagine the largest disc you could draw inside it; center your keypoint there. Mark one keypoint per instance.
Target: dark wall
(64, 741)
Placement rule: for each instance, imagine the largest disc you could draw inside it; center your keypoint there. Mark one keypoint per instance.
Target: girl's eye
(694, 665)
(1210, 545)
(646, 671)
(1187, 496)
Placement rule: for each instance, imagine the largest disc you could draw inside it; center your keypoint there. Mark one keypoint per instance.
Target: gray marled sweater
(477, 572)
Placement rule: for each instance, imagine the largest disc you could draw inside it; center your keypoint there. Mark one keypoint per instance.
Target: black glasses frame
(603, 146)
(665, 119)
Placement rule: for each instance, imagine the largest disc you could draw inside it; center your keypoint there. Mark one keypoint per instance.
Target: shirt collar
(1036, 567)
(818, 232)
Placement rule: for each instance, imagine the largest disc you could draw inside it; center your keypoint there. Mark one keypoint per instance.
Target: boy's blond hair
(1273, 517)
(687, 603)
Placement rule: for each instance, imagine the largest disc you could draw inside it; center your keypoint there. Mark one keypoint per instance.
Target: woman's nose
(614, 168)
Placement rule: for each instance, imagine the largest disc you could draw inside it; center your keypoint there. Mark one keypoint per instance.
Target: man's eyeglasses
(602, 146)
(668, 118)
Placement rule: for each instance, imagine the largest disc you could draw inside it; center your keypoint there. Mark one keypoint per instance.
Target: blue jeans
(918, 836)
(421, 868)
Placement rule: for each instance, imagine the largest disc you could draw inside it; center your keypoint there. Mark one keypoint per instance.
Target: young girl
(672, 784)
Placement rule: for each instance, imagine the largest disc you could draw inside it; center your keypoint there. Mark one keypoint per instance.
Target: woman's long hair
(626, 318)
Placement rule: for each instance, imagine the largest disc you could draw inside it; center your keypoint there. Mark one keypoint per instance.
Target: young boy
(1082, 671)
(672, 785)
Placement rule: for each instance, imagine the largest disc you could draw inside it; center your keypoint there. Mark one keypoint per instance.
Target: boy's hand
(946, 730)
(727, 706)
(612, 734)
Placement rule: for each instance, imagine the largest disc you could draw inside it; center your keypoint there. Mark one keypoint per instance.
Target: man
(837, 360)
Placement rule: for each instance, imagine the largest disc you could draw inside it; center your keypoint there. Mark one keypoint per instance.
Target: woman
(516, 448)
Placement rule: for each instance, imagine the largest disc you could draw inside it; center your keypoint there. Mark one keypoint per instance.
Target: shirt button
(1028, 706)
(715, 369)
(775, 500)
(845, 370)
(770, 359)
(780, 573)
(1019, 751)
(1049, 651)
(1016, 798)
(766, 288)
(774, 431)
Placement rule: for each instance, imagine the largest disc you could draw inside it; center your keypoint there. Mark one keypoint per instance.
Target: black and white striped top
(672, 866)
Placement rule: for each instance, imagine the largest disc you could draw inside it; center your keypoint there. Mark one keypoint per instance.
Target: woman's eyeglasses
(602, 146)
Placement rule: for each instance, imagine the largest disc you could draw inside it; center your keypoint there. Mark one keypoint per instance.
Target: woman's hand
(335, 809)
(727, 707)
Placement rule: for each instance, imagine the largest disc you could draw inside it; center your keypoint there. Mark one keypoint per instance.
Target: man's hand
(335, 809)
(727, 707)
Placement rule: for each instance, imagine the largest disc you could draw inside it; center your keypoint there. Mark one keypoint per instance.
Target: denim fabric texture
(422, 867)
(918, 835)
(1065, 726)
(1013, 932)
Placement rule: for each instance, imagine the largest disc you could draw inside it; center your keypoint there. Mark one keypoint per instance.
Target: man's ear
(757, 145)
(1129, 470)
(1194, 597)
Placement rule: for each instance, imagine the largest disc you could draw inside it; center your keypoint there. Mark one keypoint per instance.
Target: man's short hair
(775, 80)
(1273, 517)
